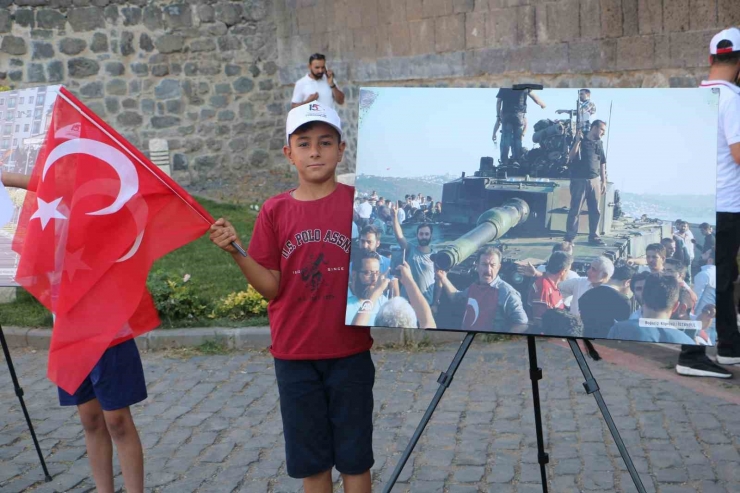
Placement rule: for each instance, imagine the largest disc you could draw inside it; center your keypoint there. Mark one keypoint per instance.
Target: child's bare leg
(357, 483)
(123, 432)
(98, 443)
(318, 483)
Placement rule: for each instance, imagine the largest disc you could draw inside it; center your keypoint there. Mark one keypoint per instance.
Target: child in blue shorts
(299, 260)
(103, 400)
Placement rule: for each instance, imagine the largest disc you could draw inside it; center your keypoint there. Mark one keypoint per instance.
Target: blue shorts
(116, 381)
(327, 410)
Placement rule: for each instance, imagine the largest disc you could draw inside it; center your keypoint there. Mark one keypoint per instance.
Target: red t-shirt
(309, 243)
(548, 294)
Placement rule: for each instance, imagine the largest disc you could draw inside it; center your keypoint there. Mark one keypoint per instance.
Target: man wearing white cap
(724, 57)
(298, 259)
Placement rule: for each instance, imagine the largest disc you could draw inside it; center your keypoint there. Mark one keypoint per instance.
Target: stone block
(50, 19)
(365, 43)
(131, 16)
(82, 67)
(13, 45)
(116, 87)
(112, 105)
(207, 44)
(42, 50)
(72, 46)
(25, 18)
(127, 43)
(541, 23)
(421, 35)
(414, 10)
(502, 28)
(630, 18)
(690, 49)
(592, 56)
(526, 26)
(306, 20)
(436, 8)
(99, 43)
(170, 43)
(384, 41)
(728, 12)
(7, 295)
(168, 89)
(160, 122)
(463, 6)
(140, 69)
(562, 21)
(475, 30)
(636, 53)
(6, 21)
(548, 59)
(611, 18)
(178, 16)
(368, 13)
(675, 15)
(703, 14)
(86, 19)
(449, 33)
(243, 85)
(391, 11)
(160, 70)
(228, 12)
(662, 51)
(152, 17)
(590, 19)
(649, 16)
(92, 90)
(485, 61)
(55, 71)
(399, 38)
(206, 13)
(35, 73)
(129, 119)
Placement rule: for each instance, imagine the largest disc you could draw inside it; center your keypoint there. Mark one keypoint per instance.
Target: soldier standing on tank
(587, 181)
(511, 114)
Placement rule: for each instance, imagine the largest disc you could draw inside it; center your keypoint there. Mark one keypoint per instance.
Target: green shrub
(240, 305)
(176, 298)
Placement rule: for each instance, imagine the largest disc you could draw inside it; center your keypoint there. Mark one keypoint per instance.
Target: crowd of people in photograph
(674, 282)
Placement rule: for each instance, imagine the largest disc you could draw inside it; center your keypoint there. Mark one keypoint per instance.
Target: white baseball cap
(732, 35)
(311, 112)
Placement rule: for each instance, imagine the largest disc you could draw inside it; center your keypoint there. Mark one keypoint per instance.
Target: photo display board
(472, 212)
(25, 115)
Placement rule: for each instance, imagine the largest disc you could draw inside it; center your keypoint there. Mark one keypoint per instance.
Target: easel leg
(444, 381)
(535, 373)
(593, 388)
(19, 393)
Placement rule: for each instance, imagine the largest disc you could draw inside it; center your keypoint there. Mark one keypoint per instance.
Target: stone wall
(215, 78)
(202, 75)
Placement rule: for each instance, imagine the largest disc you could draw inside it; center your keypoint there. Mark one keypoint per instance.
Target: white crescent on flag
(6, 206)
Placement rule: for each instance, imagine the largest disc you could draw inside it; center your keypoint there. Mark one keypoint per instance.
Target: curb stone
(236, 338)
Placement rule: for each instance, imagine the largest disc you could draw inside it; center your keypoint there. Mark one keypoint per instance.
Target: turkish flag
(480, 313)
(97, 215)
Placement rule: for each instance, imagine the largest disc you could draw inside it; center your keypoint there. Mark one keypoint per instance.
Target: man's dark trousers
(728, 336)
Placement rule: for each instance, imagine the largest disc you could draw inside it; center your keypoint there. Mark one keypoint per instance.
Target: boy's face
(315, 152)
(584, 95)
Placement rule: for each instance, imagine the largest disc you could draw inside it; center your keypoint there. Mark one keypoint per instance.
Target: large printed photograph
(25, 115)
(558, 212)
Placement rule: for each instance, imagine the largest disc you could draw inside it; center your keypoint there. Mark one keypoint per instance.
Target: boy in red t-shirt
(298, 259)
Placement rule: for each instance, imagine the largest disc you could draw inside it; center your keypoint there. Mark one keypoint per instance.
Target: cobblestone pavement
(212, 424)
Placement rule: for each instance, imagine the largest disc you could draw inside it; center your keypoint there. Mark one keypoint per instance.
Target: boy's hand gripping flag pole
(97, 215)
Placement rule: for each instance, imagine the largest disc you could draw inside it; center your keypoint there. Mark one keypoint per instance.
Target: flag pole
(19, 393)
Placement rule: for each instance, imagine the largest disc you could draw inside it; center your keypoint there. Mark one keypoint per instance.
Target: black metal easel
(19, 393)
(535, 373)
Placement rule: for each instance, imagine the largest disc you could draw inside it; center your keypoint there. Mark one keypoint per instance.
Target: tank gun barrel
(491, 225)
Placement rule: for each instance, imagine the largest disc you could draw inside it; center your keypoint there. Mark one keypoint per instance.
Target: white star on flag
(48, 211)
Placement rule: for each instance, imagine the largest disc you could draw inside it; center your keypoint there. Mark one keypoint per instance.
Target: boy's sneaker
(703, 367)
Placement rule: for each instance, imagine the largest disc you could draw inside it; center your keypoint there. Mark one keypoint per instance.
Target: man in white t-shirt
(724, 58)
(317, 85)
